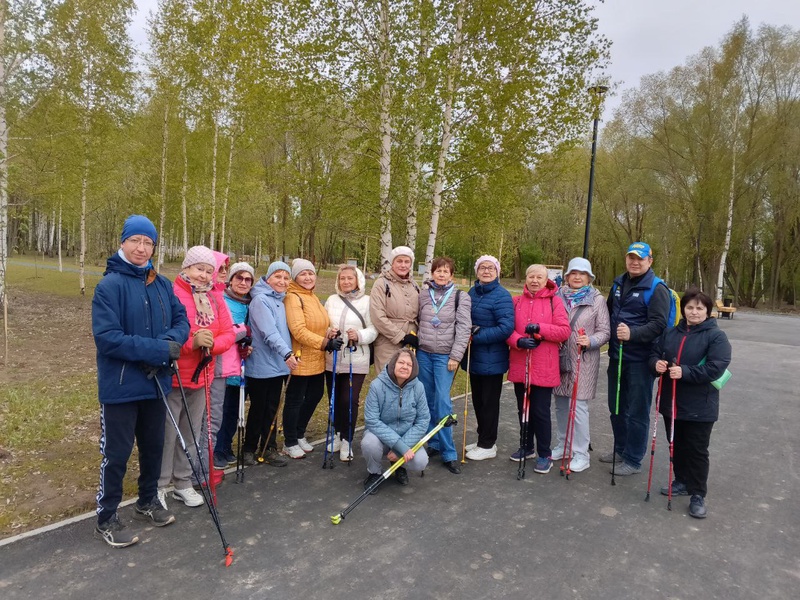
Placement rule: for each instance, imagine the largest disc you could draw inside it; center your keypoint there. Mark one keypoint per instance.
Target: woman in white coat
(348, 310)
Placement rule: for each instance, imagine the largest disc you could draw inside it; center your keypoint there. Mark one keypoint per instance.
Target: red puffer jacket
(222, 328)
(548, 311)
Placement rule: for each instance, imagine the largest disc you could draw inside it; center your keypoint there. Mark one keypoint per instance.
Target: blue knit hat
(278, 266)
(138, 225)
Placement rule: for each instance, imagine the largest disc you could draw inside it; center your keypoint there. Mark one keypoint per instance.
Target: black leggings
(342, 408)
(538, 417)
(265, 395)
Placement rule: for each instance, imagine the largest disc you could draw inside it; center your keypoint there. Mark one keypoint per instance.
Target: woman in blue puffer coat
(492, 323)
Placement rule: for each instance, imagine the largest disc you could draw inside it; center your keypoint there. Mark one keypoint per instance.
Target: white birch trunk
(82, 259)
(444, 147)
(51, 238)
(214, 185)
(729, 227)
(385, 160)
(3, 166)
(416, 168)
(225, 198)
(60, 263)
(162, 220)
(184, 184)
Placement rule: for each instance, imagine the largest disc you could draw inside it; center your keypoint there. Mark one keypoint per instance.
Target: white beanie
(580, 264)
(488, 258)
(301, 264)
(239, 267)
(199, 255)
(401, 251)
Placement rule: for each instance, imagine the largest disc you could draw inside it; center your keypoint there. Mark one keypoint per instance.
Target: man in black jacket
(638, 304)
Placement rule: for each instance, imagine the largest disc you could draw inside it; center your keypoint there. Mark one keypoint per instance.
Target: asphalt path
(482, 534)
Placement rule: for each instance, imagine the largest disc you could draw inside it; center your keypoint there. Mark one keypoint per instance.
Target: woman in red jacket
(540, 325)
(211, 333)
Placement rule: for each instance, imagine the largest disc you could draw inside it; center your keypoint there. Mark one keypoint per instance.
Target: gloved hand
(246, 341)
(174, 350)
(150, 370)
(532, 329)
(410, 340)
(203, 339)
(334, 344)
(526, 343)
(475, 329)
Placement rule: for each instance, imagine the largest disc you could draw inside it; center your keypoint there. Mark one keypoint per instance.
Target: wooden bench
(726, 312)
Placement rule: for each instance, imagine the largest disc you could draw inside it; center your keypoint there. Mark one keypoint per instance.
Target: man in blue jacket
(638, 304)
(139, 327)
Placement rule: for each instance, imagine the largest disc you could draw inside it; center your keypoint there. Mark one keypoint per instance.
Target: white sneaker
(345, 454)
(294, 451)
(469, 447)
(188, 496)
(162, 497)
(558, 453)
(482, 453)
(579, 463)
(304, 445)
(337, 444)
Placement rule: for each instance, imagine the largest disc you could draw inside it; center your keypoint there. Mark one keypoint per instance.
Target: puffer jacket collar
(262, 287)
(486, 288)
(547, 291)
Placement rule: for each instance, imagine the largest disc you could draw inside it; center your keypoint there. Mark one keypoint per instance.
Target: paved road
(482, 534)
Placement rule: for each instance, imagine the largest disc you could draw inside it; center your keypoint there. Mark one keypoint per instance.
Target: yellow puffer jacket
(308, 323)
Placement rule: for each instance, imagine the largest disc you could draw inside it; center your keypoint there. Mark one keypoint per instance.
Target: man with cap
(638, 306)
(394, 307)
(138, 326)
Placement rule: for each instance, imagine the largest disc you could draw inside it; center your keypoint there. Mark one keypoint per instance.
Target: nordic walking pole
(566, 457)
(655, 435)
(616, 414)
(466, 405)
(211, 483)
(447, 421)
(672, 436)
(212, 509)
(330, 431)
(240, 427)
(195, 379)
(523, 430)
(350, 415)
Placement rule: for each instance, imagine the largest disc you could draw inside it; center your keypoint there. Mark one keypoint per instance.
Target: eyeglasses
(486, 268)
(243, 279)
(148, 244)
(223, 269)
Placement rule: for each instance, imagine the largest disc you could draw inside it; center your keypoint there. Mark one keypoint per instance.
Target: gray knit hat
(301, 264)
(278, 265)
(239, 267)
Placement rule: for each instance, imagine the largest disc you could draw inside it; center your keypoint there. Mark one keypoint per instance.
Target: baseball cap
(640, 249)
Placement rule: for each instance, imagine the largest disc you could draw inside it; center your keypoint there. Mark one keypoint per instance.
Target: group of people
(171, 356)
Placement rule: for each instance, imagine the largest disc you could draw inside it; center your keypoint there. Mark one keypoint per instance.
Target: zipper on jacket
(122, 372)
(163, 312)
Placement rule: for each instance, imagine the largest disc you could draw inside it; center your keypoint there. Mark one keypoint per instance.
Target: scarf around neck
(574, 297)
(205, 312)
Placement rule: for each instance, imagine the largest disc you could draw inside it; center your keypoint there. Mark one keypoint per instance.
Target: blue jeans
(631, 423)
(437, 380)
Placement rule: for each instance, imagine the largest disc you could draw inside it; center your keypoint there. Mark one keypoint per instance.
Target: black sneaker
(220, 462)
(249, 459)
(274, 459)
(115, 534)
(697, 507)
(154, 511)
(678, 489)
(372, 478)
(401, 476)
(452, 466)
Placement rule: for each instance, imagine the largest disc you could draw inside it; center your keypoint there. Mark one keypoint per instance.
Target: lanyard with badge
(436, 321)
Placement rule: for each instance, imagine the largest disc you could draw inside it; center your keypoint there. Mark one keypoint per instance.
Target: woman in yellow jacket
(311, 337)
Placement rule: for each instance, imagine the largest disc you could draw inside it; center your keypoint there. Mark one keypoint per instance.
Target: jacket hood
(355, 294)
(115, 264)
(262, 287)
(548, 290)
(388, 372)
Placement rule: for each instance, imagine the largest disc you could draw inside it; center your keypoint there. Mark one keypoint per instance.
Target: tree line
(335, 129)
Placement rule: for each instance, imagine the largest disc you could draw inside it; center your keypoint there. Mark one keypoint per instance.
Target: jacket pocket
(122, 372)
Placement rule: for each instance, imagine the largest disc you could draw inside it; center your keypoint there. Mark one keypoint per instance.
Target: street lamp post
(597, 91)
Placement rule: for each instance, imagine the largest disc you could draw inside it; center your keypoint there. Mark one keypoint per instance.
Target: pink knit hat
(197, 255)
(488, 258)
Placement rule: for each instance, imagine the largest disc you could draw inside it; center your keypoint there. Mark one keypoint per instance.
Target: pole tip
(336, 519)
(228, 556)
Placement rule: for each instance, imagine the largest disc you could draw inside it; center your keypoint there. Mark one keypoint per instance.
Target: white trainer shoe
(558, 453)
(579, 463)
(294, 451)
(337, 444)
(304, 445)
(482, 453)
(188, 496)
(162, 497)
(469, 447)
(345, 454)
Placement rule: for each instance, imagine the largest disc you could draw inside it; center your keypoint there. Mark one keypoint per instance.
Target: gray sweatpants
(375, 451)
(580, 439)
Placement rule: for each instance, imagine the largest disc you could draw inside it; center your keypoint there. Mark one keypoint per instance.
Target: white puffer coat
(343, 318)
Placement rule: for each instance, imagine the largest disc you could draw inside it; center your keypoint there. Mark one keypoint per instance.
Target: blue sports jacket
(134, 313)
(493, 311)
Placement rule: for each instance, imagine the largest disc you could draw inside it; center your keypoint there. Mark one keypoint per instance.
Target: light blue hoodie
(271, 338)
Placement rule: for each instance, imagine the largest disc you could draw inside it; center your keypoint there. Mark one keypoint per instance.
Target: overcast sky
(648, 35)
